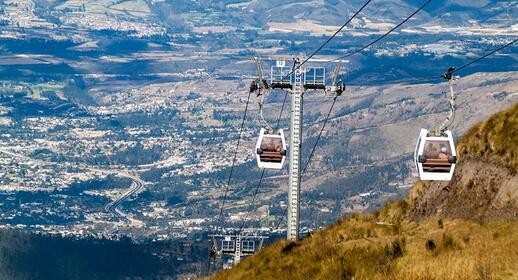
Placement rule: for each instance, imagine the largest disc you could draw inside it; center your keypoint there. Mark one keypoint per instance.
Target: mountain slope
(486, 176)
(401, 241)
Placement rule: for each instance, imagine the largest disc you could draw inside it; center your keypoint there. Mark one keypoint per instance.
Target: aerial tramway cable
(345, 56)
(348, 55)
(334, 101)
(329, 39)
(457, 69)
(413, 80)
(384, 35)
(319, 136)
(232, 166)
(484, 56)
(312, 152)
(295, 68)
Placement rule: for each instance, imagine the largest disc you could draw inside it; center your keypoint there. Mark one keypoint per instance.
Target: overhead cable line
(262, 172)
(307, 59)
(295, 68)
(418, 79)
(319, 136)
(328, 40)
(243, 223)
(466, 65)
(311, 154)
(233, 161)
(384, 35)
(486, 55)
(455, 70)
(346, 56)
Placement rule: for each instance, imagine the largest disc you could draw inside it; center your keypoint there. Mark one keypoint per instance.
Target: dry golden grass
(362, 248)
(495, 138)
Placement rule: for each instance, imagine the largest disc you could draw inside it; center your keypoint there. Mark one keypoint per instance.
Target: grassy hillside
(485, 186)
(415, 238)
(494, 139)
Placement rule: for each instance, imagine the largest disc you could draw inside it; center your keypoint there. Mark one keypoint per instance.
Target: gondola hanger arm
(451, 99)
(260, 84)
(337, 87)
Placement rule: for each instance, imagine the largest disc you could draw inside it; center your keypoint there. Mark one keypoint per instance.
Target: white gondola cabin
(435, 156)
(271, 149)
(248, 246)
(228, 245)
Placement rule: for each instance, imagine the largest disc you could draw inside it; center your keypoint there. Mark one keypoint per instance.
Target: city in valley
(120, 118)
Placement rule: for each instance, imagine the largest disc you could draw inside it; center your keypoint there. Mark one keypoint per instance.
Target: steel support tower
(297, 95)
(235, 247)
(297, 86)
(237, 254)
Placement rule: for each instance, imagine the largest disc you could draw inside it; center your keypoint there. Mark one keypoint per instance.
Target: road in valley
(113, 207)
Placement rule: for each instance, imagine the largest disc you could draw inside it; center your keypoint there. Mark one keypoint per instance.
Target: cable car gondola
(228, 245)
(271, 149)
(213, 249)
(435, 156)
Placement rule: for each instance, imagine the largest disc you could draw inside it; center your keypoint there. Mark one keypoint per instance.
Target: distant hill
(260, 13)
(466, 229)
(335, 12)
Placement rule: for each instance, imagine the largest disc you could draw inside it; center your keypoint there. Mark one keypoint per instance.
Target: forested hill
(33, 256)
(464, 229)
